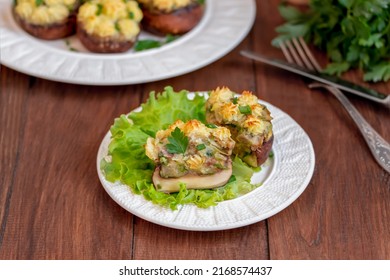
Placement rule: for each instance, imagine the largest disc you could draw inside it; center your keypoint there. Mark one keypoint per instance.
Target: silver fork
(296, 51)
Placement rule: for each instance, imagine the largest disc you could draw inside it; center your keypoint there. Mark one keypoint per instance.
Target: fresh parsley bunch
(354, 34)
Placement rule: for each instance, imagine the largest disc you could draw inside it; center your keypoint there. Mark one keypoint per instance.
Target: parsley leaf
(178, 142)
(378, 73)
(211, 125)
(336, 68)
(147, 44)
(246, 110)
(69, 46)
(170, 38)
(99, 9)
(201, 147)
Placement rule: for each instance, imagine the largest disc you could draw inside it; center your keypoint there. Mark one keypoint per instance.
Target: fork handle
(380, 149)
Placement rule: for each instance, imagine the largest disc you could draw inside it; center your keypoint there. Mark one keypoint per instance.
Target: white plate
(224, 25)
(284, 178)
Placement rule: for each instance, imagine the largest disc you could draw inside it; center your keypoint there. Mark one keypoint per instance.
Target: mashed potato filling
(207, 152)
(111, 18)
(166, 5)
(44, 12)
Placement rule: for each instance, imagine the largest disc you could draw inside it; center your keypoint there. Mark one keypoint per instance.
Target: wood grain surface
(52, 205)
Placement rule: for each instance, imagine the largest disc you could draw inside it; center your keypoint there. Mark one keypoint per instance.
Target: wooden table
(52, 205)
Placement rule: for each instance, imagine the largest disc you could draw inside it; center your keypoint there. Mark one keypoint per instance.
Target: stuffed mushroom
(46, 19)
(190, 153)
(109, 26)
(248, 121)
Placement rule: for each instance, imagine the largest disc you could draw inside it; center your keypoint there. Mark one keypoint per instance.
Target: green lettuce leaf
(161, 111)
(126, 161)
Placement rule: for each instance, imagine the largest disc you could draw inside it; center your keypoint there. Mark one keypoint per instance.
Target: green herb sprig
(246, 110)
(69, 46)
(354, 34)
(99, 10)
(147, 44)
(178, 142)
(201, 147)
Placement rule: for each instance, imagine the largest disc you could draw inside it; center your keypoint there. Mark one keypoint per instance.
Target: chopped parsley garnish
(69, 46)
(38, 2)
(147, 44)
(99, 9)
(235, 100)
(246, 110)
(201, 147)
(171, 38)
(142, 45)
(178, 142)
(131, 15)
(117, 27)
(210, 125)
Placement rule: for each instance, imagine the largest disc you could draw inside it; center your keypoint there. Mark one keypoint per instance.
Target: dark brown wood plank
(59, 209)
(12, 127)
(344, 213)
(154, 242)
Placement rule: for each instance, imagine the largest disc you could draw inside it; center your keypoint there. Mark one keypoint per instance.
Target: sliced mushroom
(192, 181)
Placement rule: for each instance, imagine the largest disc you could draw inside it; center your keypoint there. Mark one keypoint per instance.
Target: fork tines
(297, 51)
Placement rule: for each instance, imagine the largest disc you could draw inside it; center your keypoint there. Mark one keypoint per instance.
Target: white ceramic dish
(224, 25)
(284, 177)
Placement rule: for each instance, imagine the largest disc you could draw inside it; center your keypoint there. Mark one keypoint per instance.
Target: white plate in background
(224, 25)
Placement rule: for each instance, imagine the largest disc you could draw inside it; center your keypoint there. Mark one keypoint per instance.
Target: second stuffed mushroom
(248, 121)
(174, 17)
(109, 26)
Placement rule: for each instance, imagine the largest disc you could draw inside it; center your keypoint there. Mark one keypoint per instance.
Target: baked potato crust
(48, 32)
(99, 44)
(177, 22)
